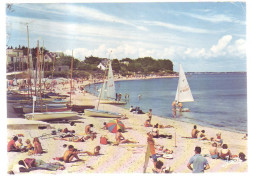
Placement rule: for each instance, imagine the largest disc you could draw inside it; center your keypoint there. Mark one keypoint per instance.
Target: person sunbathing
(69, 155)
(165, 126)
(147, 123)
(71, 139)
(218, 139)
(194, 132)
(30, 164)
(225, 152)
(95, 153)
(203, 135)
(155, 131)
(89, 132)
(214, 151)
(120, 139)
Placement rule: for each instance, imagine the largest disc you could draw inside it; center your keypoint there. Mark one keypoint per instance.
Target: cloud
(222, 43)
(81, 12)
(177, 27)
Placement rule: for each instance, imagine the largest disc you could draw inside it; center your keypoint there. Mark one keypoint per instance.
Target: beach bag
(103, 140)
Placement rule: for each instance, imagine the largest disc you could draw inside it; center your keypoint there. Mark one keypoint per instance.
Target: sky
(202, 36)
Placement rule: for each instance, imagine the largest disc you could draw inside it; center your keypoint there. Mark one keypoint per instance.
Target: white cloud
(79, 11)
(177, 27)
(222, 43)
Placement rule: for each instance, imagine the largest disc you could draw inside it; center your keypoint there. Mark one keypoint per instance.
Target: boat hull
(112, 102)
(96, 113)
(50, 115)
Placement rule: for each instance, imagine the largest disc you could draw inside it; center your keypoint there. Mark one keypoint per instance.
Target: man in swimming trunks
(89, 133)
(70, 154)
(194, 132)
(199, 162)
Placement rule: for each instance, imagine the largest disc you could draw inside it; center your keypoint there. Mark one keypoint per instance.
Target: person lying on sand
(165, 126)
(30, 164)
(71, 139)
(69, 155)
(95, 153)
(214, 151)
(120, 139)
(194, 132)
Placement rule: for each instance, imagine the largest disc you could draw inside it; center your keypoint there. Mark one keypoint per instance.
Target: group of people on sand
(68, 135)
(224, 152)
(16, 145)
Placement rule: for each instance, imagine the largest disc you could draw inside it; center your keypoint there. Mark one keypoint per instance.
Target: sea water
(220, 98)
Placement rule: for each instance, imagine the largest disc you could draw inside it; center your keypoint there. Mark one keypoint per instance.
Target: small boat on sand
(45, 116)
(101, 113)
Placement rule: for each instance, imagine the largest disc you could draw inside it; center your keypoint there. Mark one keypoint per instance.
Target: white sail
(108, 90)
(183, 93)
(111, 90)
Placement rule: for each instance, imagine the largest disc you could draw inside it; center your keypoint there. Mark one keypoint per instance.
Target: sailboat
(108, 88)
(108, 91)
(183, 93)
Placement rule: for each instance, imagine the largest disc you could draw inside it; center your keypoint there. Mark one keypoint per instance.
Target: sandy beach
(128, 158)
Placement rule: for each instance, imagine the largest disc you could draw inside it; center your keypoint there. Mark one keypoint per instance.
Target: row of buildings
(14, 56)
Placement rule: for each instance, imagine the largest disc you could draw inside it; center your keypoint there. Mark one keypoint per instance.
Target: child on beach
(20, 144)
(203, 136)
(95, 153)
(37, 146)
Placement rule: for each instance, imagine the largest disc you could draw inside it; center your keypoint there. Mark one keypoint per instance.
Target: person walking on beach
(116, 96)
(174, 106)
(150, 115)
(119, 96)
(198, 161)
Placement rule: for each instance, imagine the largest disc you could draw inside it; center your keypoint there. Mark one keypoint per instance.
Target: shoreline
(128, 158)
(210, 126)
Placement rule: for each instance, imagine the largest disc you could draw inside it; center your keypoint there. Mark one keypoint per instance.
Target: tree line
(126, 66)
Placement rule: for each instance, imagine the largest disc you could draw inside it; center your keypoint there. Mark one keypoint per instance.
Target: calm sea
(220, 99)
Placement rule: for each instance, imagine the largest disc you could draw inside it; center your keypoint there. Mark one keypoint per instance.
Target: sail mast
(71, 76)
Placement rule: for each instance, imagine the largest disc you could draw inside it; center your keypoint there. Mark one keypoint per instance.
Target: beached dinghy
(80, 108)
(183, 93)
(44, 116)
(101, 113)
(108, 91)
